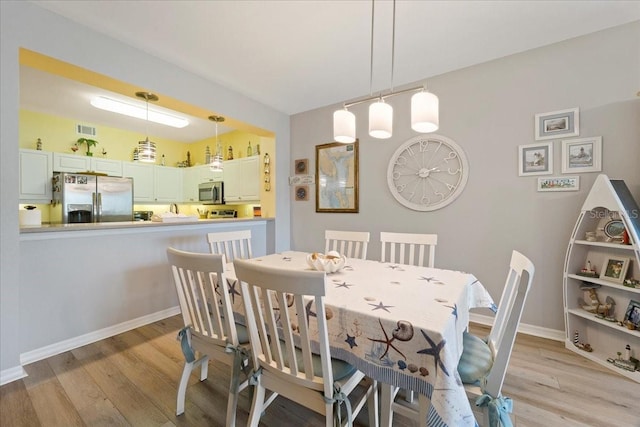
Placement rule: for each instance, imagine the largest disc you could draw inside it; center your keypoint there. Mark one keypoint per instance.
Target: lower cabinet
(242, 180)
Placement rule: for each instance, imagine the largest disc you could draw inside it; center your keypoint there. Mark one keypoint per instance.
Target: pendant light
(424, 105)
(216, 163)
(146, 148)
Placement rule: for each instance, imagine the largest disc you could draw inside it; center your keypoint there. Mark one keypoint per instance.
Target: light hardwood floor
(131, 380)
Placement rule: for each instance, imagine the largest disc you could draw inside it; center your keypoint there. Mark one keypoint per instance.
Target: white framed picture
(535, 159)
(557, 124)
(582, 155)
(559, 183)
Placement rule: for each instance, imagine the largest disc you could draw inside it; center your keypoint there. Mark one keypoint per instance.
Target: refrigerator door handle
(94, 210)
(99, 219)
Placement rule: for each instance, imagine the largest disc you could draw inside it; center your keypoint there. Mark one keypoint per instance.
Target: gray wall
(24, 24)
(489, 110)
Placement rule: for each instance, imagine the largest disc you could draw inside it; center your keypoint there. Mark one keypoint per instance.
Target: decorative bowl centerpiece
(329, 263)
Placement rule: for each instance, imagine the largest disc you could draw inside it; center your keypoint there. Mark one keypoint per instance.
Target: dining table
(399, 324)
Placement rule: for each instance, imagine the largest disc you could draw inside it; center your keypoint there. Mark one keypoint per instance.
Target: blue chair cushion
(243, 333)
(341, 369)
(476, 360)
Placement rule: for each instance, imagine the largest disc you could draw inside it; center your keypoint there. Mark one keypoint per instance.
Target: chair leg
(257, 405)
(372, 405)
(234, 390)
(387, 392)
(184, 380)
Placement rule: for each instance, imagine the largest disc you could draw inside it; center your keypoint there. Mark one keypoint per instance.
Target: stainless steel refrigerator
(82, 197)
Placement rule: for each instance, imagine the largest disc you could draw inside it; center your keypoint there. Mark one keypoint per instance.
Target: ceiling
(296, 56)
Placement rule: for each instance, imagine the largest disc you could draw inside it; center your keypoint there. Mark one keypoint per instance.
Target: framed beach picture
(535, 159)
(632, 315)
(582, 155)
(337, 177)
(614, 269)
(559, 183)
(557, 124)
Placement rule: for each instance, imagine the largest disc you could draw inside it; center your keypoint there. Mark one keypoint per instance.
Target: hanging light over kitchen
(216, 162)
(146, 148)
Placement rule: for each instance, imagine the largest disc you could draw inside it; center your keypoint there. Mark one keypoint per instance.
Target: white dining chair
(408, 248)
(352, 244)
(234, 244)
(483, 364)
(281, 341)
(209, 324)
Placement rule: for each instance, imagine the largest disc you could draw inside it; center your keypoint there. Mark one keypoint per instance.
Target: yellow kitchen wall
(58, 134)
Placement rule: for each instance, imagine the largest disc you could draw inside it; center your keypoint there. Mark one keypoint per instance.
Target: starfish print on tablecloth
(435, 352)
(351, 341)
(233, 291)
(388, 342)
(431, 280)
(286, 258)
(381, 306)
(454, 308)
(343, 285)
(309, 312)
(395, 267)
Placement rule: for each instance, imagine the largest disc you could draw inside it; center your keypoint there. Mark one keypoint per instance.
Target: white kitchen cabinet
(194, 176)
(108, 166)
(36, 170)
(153, 183)
(242, 180)
(71, 163)
(143, 180)
(77, 163)
(609, 200)
(167, 184)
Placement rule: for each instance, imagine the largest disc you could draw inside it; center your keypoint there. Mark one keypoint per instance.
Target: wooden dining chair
(234, 244)
(408, 248)
(352, 244)
(483, 364)
(282, 345)
(209, 326)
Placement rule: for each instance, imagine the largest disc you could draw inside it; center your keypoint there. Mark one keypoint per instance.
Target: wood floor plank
(16, 408)
(92, 404)
(50, 401)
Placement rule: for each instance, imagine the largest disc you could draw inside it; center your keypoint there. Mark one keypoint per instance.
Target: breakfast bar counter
(80, 283)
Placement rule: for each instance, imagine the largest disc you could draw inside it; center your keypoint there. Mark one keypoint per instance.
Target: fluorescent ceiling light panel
(138, 112)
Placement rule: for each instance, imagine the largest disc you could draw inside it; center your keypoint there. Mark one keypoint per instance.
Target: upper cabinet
(75, 163)
(152, 183)
(242, 180)
(36, 170)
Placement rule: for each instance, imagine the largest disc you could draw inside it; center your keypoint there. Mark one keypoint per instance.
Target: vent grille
(86, 130)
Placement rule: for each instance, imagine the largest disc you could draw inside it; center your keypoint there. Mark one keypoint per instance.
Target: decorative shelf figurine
(89, 142)
(581, 345)
(628, 363)
(588, 271)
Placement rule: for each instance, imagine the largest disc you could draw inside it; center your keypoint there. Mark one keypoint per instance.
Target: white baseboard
(12, 374)
(536, 331)
(70, 344)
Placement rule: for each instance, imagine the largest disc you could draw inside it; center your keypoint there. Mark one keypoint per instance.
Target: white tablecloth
(399, 324)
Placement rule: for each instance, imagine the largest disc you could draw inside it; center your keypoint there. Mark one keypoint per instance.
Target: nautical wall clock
(427, 172)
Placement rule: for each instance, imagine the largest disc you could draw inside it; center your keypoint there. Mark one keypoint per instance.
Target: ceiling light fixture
(216, 163)
(133, 110)
(424, 105)
(146, 148)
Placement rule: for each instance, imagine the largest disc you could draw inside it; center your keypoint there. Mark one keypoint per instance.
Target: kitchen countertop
(128, 224)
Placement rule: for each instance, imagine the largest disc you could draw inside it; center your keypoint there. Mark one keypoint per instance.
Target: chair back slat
(203, 294)
(352, 244)
(408, 248)
(285, 299)
(503, 332)
(233, 244)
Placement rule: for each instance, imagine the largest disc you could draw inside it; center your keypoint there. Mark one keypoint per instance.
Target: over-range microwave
(211, 193)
